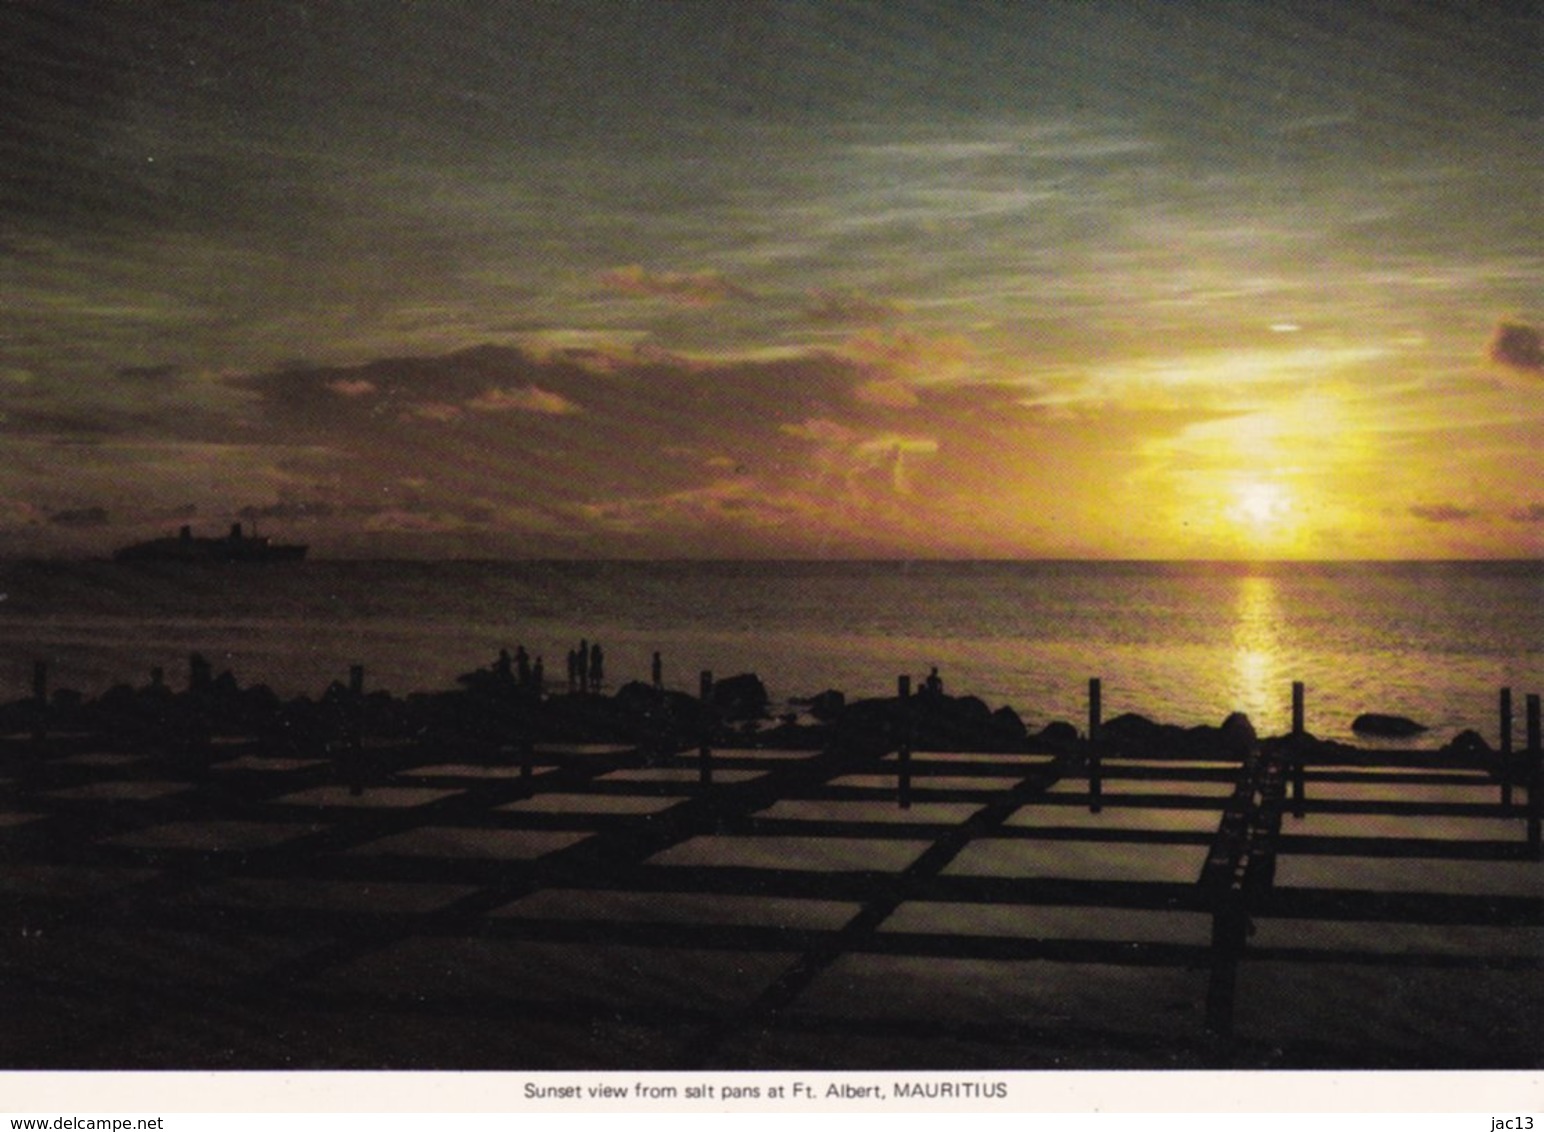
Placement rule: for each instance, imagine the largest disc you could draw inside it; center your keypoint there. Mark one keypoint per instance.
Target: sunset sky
(1182, 280)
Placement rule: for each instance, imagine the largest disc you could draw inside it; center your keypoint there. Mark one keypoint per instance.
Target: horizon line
(897, 559)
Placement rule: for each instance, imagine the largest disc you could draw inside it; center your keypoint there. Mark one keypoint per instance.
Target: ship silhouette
(234, 547)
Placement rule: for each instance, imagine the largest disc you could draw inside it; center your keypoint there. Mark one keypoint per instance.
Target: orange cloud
(909, 356)
(890, 394)
(351, 388)
(845, 453)
(692, 289)
(530, 399)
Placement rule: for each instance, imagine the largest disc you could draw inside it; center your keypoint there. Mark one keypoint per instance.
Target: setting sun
(1262, 517)
(1262, 506)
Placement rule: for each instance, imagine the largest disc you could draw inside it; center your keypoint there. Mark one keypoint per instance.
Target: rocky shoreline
(495, 709)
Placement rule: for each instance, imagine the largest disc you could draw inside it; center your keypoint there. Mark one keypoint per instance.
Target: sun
(1261, 505)
(1262, 514)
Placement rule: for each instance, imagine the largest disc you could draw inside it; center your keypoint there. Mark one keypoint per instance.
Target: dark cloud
(1518, 346)
(154, 374)
(287, 512)
(1532, 513)
(81, 517)
(1442, 513)
(837, 307)
(84, 425)
(587, 446)
(331, 396)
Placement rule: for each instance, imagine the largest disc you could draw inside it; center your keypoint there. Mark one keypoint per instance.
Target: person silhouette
(597, 667)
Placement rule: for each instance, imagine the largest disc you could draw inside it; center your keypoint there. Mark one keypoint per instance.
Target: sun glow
(1263, 517)
(1264, 507)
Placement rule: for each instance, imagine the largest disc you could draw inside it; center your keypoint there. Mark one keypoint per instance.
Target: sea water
(1183, 643)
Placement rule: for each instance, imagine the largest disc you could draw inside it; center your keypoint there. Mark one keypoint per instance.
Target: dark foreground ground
(604, 908)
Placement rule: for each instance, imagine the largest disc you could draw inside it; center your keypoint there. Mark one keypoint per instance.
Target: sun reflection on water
(1258, 676)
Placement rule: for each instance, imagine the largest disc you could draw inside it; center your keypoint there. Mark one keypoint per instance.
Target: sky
(596, 278)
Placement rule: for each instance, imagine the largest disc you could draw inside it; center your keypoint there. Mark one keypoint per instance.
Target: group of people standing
(586, 668)
(519, 668)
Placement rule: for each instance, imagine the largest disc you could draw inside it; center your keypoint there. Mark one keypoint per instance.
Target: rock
(1238, 734)
(1131, 726)
(1137, 735)
(1058, 736)
(1468, 743)
(1386, 726)
(740, 697)
(827, 705)
(1009, 727)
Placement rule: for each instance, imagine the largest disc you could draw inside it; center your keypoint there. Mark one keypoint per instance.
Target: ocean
(1181, 643)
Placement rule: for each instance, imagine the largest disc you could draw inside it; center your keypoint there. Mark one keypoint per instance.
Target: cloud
(15, 513)
(529, 399)
(288, 512)
(1533, 513)
(632, 450)
(735, 502)
(855, 458)
(79, 518)
(848, 307)
(909, 356)
(437, 411)
(890, 394)
(1442, 513)
(1518, 346)
(893, 455)
(819, 431)
(352, 388)
(164, 372)
(692, 289)
(399, 520)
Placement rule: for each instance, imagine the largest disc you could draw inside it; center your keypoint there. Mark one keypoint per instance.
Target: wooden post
(1299, 775)
(705, 750)
(40, 702)
(356, 706)
(1094, 709)
(1095, 778)
(1535, 803)
(903, 785)
(355, 709)
(1506, 748)
(1230, 926)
